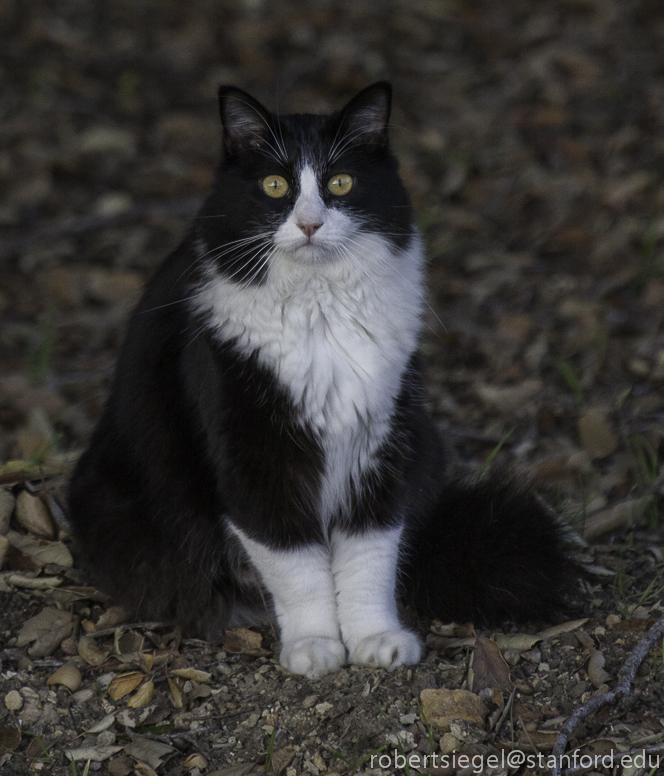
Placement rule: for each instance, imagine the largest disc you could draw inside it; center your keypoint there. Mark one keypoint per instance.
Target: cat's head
(303, 188)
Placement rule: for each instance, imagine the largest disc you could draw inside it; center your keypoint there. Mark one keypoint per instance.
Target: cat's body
(265, 442)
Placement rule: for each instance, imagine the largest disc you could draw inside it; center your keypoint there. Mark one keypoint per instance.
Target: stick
(622, 689)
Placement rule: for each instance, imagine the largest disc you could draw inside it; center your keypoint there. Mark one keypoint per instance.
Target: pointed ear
(367, 114)
(246, 122)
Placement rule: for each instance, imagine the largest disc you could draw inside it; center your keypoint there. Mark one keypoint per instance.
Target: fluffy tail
(486, 552)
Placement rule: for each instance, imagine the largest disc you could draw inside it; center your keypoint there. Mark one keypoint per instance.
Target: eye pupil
(275, 186)
(339, 185)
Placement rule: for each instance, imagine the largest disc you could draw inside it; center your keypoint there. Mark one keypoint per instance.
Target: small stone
(440, 707)
(612, 619)
(448, 743)
(408, 719)
(309, 701)
(32, 514)
(13, 700)
(324, 708)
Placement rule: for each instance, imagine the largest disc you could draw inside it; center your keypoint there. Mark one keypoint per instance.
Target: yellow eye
(340, 184)
(275, 186)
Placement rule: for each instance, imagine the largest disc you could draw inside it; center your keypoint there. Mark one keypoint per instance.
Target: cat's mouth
(311, 251)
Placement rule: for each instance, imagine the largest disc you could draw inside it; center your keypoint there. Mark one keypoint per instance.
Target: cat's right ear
(246, 122)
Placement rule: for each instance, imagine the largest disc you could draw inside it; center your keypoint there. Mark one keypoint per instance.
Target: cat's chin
(312, 254)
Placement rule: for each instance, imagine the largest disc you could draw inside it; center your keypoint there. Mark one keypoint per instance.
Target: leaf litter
(539, 194)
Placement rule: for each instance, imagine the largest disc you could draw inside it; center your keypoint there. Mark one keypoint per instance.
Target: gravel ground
(530, 137)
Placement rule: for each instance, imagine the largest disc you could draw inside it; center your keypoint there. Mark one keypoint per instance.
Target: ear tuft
(367, 114)
(246, 122)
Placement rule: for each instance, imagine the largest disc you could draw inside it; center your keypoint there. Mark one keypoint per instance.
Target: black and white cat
(265, 445)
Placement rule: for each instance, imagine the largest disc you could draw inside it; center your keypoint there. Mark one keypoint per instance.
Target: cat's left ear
(367, 114)
(247, 124)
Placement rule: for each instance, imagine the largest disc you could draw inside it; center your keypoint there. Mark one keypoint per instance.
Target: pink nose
(310, 229)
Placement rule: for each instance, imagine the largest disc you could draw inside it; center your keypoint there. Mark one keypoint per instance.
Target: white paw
(314, 657)
(388, 649)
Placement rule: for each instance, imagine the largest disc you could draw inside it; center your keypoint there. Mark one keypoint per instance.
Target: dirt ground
(531, 137)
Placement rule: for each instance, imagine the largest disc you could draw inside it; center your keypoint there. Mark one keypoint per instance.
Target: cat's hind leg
(300, 583)
(364, 568)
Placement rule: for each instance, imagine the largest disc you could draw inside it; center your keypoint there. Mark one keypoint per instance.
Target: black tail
(486, 552)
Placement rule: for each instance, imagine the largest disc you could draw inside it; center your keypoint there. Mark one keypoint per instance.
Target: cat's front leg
(300, 583)
(364, 568)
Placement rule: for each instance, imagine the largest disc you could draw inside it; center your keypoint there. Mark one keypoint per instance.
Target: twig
(505, 712)
(622, 689)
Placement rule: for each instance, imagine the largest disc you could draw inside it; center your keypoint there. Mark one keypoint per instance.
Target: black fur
(194, 431)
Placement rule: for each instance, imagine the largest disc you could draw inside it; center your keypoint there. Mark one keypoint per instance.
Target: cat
(265, 446)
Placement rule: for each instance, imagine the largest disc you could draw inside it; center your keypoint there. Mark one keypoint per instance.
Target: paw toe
(313, 657)
(388, 649)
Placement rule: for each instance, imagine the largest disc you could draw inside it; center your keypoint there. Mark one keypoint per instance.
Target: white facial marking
(334, 225)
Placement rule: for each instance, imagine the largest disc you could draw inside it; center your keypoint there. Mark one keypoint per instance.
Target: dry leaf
(132, 718)
(176, 693)
(40, 551)
(34, 583)
(282, 758)
(124, 684)
(614, 518)
(242, 641)
(565, 627)
(96, 753)
(112, 617)
(195, 761)
(443, 644)
(147, 751)
(143, 695)
(128, 642)
(48, 629)
(193, 674)
(103, 724)
(32, 514)
(67, 675)
(489, 668)
(90, 652)
(598, 676)
(595, 434)
(143, 769)
(511, 398)
(520, 641)
(146, 661)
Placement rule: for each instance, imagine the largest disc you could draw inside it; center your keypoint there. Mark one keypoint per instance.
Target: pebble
(13, 700)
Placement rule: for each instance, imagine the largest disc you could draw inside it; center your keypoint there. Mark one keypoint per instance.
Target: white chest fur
(338, 336)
